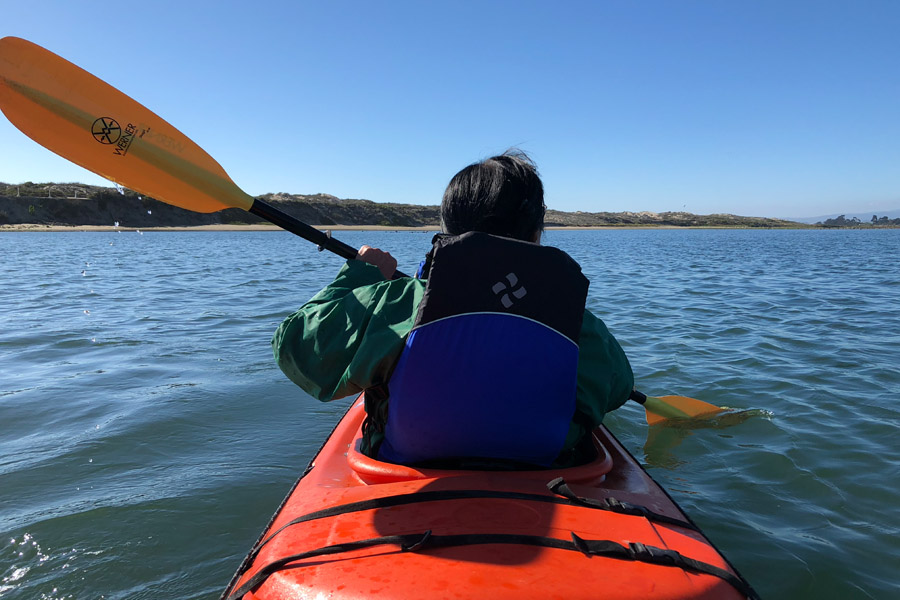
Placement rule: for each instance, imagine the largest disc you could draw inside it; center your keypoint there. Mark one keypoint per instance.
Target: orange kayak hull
(474, 534)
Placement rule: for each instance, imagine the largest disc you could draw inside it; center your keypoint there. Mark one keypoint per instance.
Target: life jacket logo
(106, 130)
(509, 288)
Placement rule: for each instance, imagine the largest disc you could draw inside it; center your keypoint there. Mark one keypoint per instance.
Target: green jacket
(348, 337)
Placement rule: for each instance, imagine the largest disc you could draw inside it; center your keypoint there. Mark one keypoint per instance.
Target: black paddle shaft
(307, 232)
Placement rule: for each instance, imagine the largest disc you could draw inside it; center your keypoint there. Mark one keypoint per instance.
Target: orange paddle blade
(668, 407)
(85, 120)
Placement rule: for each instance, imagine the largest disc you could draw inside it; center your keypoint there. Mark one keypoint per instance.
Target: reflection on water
(663, 438)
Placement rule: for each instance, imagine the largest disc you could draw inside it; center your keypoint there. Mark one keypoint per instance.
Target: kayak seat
(372, 471)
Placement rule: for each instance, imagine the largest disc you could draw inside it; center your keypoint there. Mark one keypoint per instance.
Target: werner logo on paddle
(107, 130)
(517, 292)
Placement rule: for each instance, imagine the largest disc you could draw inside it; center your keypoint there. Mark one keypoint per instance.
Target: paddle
(672, 407)
(87, 121)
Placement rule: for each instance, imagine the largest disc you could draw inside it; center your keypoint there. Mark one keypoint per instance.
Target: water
(146, 435)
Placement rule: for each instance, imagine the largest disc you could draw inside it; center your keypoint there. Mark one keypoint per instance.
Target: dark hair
(502, 195)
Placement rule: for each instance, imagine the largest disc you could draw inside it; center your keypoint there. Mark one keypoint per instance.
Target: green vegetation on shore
(855, 222)
(78, 204)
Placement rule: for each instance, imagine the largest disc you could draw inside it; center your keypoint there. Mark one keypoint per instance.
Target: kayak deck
(354, 527)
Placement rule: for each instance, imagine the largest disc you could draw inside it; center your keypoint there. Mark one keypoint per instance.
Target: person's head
(502, 195)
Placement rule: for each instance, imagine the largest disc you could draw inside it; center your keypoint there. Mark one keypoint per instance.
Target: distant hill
(79, 204)
(664, 219)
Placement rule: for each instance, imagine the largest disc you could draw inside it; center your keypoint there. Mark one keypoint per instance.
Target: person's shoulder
(592, 320)
(593, 326)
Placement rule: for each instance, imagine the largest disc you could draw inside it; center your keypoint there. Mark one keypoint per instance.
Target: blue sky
(756, 108)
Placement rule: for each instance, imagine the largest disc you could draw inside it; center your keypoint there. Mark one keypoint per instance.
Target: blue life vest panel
(489, 370)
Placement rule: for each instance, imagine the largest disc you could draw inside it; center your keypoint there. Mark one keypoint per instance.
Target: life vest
(489, 369)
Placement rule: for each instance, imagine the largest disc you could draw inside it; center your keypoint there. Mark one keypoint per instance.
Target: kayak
(355, 527)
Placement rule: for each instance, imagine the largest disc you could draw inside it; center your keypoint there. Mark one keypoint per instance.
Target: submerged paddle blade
(85, 120)
(677, 407)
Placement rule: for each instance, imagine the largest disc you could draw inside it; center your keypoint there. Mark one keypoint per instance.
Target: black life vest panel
(489, 370)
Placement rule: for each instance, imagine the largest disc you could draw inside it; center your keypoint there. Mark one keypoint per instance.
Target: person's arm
(605, 379)
(348, 336)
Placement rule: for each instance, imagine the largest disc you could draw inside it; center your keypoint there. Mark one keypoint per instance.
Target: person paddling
(488, 359)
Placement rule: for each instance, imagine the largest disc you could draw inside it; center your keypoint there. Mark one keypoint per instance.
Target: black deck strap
(428, 541)
(559, 486)
(660, 556)
(405, 499)
(260, 577)
(444, 495)
(418, 545)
